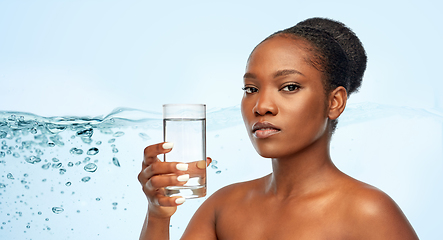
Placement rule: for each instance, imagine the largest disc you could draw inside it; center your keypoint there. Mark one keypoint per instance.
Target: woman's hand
(156, 175)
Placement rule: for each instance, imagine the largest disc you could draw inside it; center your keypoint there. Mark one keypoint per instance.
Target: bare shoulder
(374, 214)
(203, 223)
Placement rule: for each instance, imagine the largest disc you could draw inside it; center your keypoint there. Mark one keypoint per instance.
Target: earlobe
(337, 102)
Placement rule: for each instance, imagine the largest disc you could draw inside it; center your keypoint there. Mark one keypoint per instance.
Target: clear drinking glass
(185, 126)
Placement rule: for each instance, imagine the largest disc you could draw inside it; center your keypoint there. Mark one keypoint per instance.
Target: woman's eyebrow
(249, 75)
(286, 72)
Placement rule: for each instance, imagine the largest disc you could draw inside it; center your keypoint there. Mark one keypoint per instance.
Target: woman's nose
(265, 105)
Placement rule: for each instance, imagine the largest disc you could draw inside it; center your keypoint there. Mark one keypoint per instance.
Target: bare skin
(287, 115)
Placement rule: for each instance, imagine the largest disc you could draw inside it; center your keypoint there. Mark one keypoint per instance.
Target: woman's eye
(250, 89)
(290, 88)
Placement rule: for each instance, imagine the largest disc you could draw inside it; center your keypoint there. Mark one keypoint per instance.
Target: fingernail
(182, 166)
(183, 178)
(167, 145)
(180, 200)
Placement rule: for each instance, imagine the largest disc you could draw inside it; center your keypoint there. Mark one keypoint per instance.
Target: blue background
(86, 58)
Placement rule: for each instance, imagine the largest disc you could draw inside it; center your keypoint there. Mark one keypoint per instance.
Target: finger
(161, 181)
(159, 168)
(151, 152)
(170, 201)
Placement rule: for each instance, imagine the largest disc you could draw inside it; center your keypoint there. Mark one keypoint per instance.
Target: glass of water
(184, 125)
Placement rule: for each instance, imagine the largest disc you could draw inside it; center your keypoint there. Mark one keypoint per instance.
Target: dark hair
(335, 50)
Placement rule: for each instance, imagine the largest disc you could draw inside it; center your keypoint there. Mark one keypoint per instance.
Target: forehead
(280, 53)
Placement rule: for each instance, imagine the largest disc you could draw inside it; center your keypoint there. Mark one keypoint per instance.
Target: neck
(306, 172)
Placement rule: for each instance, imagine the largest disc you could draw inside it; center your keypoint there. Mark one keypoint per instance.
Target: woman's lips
(264, 129)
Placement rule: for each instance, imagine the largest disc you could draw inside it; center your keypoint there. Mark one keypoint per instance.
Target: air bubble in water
(57, 165)
(118, 134)
(2, 185)
(111, 140)
(70, 164)
(68, 184)
(90, 167)
(92, 151)
(86, 159)
(16, 155)
(62, 171)
(46, 166)
(218, 172)
(57, 210)
(55, 159)
(144, 136)
(33, 159)
(115, 161)
(86, 179)
(9, 176)
(115, 150)
(76, 151)
(85, 133)
(3, 134)
(2, 154)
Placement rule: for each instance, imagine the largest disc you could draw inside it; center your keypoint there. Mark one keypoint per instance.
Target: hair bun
(350, 44)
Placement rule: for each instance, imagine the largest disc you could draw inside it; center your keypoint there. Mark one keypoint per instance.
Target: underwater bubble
(68, 184)
(2, 185)
(13, 117)
(115, 150)
(97, 199)
(33, 159)
(106, 131)
(23, 181)
(218, 172)
(90, 167)
(214, 161)
(28, 226)
(54, 128)
(26, 186)
(86, 179)
(46, 219)
(3, 134)
(9, 152)
(76, 151)
(46, 166)
(85, 133)
(57, 210)
(214, 167)
(25, 175)
(86, 140)
(144, 136)
(70, 164)
(118, 134)
(9, 176)
(16, 155)
(78, 163)
(4, 142)
(39, 213)
(86, 159)
(62, 171)
(51, 144)
(98, 142)
(111, 140)
(18, 140)
(33, 130)
(40, 137)
(57, 140)
(2, 154)
(92, 151)
(57, 165)
(55, 159)
(115, 161)
(4, 147)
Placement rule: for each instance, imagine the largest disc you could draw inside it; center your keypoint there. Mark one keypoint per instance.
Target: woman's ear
(337, 102)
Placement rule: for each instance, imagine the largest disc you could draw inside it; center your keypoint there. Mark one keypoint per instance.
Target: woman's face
(284, 106)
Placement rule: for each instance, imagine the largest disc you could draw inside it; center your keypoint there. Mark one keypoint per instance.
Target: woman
(296, 86)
